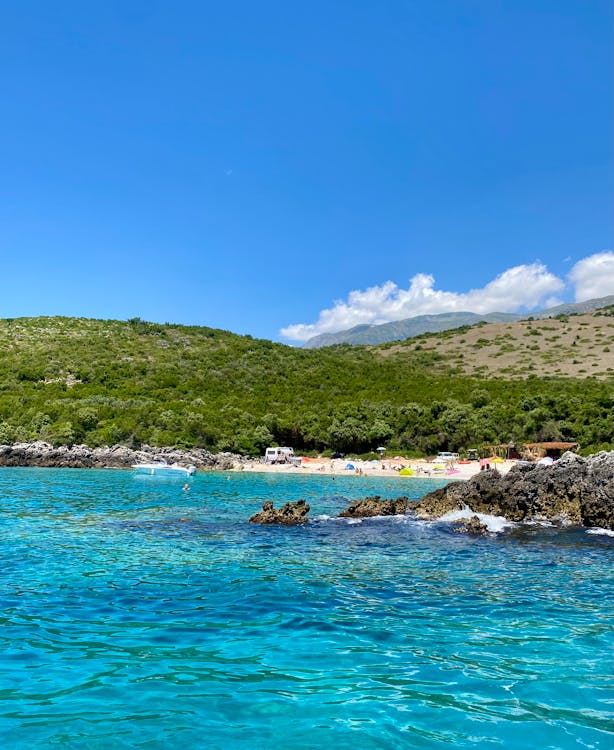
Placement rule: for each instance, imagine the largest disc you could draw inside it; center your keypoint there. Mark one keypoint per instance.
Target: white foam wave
(396, 519)
(351, 521)
(597, 530)
(338, 519)
(494, 524)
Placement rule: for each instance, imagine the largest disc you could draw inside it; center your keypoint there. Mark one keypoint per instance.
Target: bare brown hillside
(577, 346)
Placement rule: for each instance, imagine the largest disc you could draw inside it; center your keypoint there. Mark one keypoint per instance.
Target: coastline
(574, 489)
(41, 454)
(422, 469)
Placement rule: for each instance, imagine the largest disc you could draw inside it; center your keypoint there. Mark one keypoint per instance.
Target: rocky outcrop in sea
(40, 453)
(573, 490)
(375, 506)
(472, 526)
(289, 514)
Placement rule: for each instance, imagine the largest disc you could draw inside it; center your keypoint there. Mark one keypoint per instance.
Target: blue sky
(272, 166)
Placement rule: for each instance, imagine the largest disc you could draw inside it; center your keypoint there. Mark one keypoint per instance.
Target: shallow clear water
(134, 614)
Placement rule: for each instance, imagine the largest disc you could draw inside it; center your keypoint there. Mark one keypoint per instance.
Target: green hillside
(69, 380)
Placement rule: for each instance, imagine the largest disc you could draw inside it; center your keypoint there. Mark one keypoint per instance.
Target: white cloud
(593, 277)
(523, 286)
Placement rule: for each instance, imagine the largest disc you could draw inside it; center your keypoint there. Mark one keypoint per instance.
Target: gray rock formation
(574, 489)
(375, 506)
(115, 457)
(471, 526)
(289, 514)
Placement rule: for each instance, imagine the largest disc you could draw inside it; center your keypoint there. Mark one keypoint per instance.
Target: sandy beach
(386, 468)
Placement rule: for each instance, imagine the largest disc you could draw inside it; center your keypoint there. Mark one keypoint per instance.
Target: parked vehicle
(282, 455)
(445, 457)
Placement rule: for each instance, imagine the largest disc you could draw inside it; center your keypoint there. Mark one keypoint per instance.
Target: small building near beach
(553, 449)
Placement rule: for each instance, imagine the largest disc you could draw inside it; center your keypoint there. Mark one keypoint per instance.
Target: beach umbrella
(406, 472)
(350, 467)
(497, 460)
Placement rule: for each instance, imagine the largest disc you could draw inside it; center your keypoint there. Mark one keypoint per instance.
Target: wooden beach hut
(552, 449)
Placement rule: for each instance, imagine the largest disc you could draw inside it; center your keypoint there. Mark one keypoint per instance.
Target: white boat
(164, 469)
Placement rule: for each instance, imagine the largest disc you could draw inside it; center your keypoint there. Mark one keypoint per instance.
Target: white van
(278, 455)
(445, 457)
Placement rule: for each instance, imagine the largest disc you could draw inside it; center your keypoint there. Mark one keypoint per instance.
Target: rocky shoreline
(43, 454)
(573, 490)
(374, 506)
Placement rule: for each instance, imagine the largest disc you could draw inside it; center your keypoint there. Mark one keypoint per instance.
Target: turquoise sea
(138, 615)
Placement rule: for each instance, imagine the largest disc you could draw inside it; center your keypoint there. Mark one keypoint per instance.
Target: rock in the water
(472, 526)
(573, 489)
(289, 514)
(375, 506)
(439, 502)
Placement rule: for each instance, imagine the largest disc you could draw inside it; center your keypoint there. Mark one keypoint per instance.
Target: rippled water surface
(135, 614)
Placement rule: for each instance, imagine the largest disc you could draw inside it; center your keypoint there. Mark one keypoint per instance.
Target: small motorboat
(164, 469)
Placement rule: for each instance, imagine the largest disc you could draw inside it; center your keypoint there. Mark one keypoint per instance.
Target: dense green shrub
(102, 382)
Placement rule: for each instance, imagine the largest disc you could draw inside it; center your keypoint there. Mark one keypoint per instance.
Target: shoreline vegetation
(72, 381)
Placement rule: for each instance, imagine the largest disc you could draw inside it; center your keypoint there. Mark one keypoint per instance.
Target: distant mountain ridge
(400, 330)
